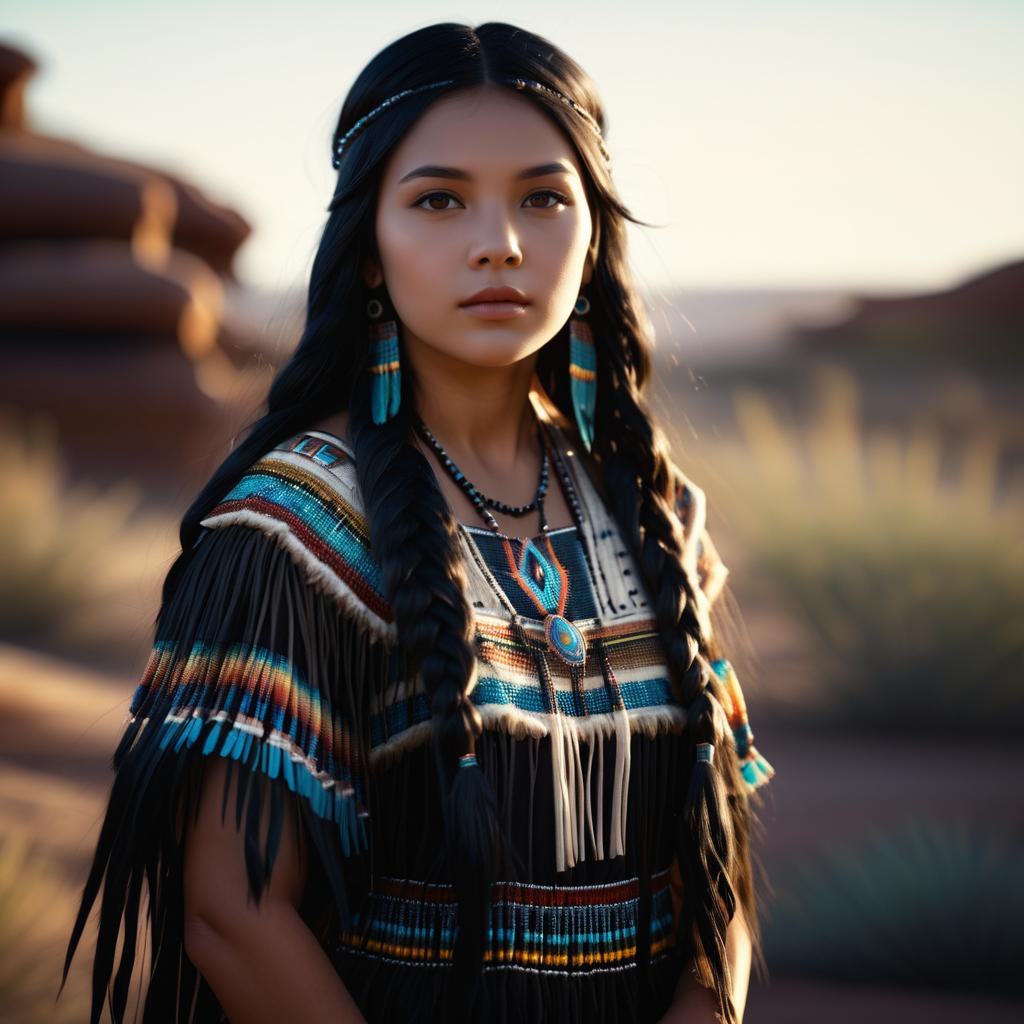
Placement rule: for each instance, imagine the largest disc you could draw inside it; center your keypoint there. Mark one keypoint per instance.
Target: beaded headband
(518, 83)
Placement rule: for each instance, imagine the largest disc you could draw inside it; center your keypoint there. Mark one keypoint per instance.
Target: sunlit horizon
(786, 145)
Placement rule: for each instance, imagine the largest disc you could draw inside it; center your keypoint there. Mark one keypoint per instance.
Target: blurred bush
(70, 551)
(930, 905)
(909, 586)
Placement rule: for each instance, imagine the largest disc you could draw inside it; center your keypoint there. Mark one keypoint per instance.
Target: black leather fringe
(408, 841)
(243, 623)
(245, 619)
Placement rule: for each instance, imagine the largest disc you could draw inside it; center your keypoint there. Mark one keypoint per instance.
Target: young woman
(436, 725)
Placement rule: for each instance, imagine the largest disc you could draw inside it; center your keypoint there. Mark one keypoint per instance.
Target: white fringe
(620, 793)
(579, 827)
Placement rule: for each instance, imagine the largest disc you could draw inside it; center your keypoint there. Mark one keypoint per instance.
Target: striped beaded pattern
(551, 929)
(289, 493)
(507, 683)
(385, 365)
(306, 486)
(583, 374)
(305, 492)
(754, 767)
(263, 698)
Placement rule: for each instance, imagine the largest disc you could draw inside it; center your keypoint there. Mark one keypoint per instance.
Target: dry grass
(35, 908)
(902, 562)
(80, 567)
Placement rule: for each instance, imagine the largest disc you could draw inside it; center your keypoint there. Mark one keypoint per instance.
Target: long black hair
(413, 531)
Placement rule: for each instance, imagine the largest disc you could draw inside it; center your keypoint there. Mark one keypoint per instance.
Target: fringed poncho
(277, 652)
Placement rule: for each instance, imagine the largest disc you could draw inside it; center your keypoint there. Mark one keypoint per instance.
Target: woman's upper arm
(252, 721)
(215, 883)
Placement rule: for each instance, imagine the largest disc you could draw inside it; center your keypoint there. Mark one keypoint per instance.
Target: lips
(502, 294)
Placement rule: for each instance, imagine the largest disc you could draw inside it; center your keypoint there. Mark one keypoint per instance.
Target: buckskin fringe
(251, 664)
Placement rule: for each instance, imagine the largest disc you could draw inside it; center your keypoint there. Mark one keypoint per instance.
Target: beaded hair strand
(517, 83)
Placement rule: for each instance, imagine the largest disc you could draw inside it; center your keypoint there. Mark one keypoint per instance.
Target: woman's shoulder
(303, 493)
(307, 478)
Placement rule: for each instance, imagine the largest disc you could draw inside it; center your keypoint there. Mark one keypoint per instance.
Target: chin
(492, 351)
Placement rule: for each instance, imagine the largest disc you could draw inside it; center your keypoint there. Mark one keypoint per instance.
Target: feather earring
(583, 370)
(385, 365)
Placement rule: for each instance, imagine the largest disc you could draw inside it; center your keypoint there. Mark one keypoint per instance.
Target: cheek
(563, 250)
(402, 246)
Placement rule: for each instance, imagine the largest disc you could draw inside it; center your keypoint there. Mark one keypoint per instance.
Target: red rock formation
(112, 298)
(978, 320)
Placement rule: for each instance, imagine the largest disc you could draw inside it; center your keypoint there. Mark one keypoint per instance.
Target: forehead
(483, 129)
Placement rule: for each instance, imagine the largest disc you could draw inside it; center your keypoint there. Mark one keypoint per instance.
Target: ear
(591, 259)
(588, 271)
(373, 276)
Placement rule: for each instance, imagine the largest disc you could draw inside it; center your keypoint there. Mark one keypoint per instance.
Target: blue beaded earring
(583, 370)
(385, 366)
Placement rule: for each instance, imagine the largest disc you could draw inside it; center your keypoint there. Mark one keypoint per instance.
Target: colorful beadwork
(583, 374)
(573, 929)
(386, 369)
(251, 686)
(287, 493)
(543, 578)
(754, 767)
(277, 652)
(534, 676)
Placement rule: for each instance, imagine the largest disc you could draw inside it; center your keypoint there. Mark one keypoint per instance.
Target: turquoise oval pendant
(565, 639)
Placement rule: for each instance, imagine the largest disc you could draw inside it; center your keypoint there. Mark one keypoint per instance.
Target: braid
(414, 539)
(711, 834)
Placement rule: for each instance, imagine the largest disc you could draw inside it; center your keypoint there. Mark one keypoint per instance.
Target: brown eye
(434, 195)
(430, 197)
(560, 200)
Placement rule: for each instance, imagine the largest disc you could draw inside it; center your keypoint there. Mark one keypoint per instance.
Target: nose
(496, 243)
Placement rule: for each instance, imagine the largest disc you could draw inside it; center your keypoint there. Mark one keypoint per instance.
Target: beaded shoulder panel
(304, 493)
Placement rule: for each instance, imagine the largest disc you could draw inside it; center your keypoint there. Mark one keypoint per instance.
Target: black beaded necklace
(540, 574)
(481, 501)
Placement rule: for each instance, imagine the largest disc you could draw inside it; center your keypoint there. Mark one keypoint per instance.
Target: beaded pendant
(543, 578)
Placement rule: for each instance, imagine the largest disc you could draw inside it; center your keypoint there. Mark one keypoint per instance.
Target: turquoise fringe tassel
(328, 803)
(387, 375)
(754, 767)
(583, 377)
(756, 770)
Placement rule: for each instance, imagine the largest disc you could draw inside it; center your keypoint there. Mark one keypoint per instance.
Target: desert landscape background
(863, 457)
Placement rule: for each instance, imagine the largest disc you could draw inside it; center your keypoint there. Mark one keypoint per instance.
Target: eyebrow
(437, 171)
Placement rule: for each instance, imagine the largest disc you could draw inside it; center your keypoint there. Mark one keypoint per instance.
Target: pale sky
(865, 144)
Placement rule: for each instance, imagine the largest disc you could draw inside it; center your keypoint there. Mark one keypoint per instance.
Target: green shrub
(928, 905)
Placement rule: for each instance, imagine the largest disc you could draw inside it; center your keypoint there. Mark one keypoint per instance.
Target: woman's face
(484, 191)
